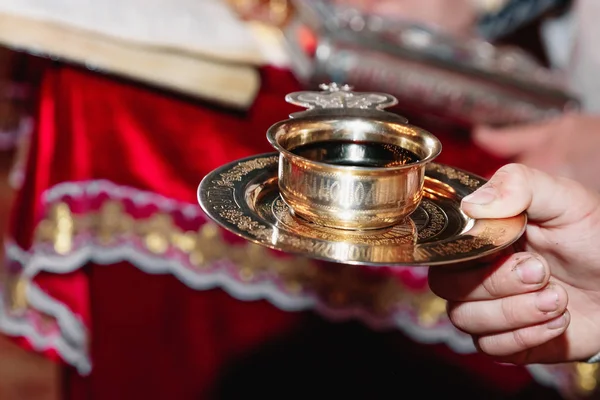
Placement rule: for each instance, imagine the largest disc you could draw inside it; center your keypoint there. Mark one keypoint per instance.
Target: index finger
(520, 273)
(548, 200)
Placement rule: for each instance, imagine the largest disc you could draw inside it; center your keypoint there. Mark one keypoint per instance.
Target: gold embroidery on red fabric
(586, 378)
(338, 285)
(15, 296)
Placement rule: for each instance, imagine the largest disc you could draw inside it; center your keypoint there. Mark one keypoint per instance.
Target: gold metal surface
(355, 195)
(244, 198)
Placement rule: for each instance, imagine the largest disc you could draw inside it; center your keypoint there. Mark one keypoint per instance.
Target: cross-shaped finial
(334, 87)
(336, 96)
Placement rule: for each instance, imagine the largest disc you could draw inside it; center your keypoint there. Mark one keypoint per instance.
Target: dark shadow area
(349, 361)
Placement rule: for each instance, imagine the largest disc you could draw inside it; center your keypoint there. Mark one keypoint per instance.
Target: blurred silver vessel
(464, 81)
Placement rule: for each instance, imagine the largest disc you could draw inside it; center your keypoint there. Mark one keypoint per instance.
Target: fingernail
(482, 196)
(547, 300)
(531, 271)
(558, 323)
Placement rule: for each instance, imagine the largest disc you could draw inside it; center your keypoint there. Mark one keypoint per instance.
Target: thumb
(548, 200)
(510, 142)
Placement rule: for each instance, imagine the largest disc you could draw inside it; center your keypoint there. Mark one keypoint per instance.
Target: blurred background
(23, 375)
(114, 284)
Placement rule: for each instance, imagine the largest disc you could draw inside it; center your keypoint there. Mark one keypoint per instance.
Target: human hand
(566, 147)
(455, 17)
(516, 311)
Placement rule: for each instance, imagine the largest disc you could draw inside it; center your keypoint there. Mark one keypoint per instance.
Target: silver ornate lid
(340, 100)
(395, 34)
(465, 80)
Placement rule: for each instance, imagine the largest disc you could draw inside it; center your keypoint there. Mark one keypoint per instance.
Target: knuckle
(510, 311)
(488, 345)
(510, 180)
(459, 315)
(508, 343)
(563, 298)
(492, 285)
(522, 339)
(520, 358)
(513, 170)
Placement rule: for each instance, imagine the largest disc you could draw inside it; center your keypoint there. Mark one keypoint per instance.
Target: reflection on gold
(455, 174)
(434, 188)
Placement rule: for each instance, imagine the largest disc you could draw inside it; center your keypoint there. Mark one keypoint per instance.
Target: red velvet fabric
(154, 338)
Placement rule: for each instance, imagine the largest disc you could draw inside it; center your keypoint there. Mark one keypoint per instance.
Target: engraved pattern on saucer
(427, 221)
(243, 197)
(399, 234)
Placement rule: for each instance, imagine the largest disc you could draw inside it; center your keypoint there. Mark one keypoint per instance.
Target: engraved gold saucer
(244, 198)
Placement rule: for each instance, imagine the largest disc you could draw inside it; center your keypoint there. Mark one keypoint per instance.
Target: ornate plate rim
(224, 185)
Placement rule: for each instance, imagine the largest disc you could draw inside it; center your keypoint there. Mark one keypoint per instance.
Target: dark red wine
(356, 154)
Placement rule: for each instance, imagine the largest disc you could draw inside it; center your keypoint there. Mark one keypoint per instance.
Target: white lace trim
(73, 345)
(594, 359)
(152, 264)
(117, 192)
(22, 327)
(16, 175)
(35, 263)
(9, 138)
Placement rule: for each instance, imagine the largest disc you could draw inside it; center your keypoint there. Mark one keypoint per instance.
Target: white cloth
(572, 45)
(204, 27)
(196, 47)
